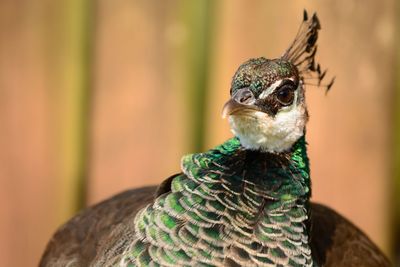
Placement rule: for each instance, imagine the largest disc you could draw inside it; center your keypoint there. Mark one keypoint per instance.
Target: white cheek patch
(271, 134)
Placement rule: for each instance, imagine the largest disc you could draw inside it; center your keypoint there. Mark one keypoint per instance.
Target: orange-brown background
(100, 96)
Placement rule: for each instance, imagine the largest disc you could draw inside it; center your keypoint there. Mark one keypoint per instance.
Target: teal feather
(229, 206)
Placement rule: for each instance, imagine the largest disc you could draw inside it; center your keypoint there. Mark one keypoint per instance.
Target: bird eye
(285, 94)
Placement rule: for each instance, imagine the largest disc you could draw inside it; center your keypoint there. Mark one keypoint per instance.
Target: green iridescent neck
(230, 206)
(279, 175)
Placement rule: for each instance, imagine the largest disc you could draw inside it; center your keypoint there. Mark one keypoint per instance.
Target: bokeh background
(100, 96)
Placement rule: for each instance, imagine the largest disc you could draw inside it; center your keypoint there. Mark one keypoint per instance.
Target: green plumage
(230, 205)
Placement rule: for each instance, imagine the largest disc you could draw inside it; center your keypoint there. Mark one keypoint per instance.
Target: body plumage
(230, 205)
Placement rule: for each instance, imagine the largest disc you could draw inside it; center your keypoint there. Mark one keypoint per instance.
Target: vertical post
(199, 16)
(69, 56)
(394, 209)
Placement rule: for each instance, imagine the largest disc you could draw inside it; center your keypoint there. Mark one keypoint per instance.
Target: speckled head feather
(260, 73)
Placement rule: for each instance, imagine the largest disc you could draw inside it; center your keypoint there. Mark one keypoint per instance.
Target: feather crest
(302, 51)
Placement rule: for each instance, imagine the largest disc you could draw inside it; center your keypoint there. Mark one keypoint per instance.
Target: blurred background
(100, 96)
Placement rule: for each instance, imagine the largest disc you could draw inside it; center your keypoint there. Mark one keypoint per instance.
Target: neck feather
(230, 205)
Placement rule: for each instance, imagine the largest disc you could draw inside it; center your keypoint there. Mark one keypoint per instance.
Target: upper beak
(232, 106)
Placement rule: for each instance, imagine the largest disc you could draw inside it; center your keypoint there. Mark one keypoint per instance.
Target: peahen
(243, 203)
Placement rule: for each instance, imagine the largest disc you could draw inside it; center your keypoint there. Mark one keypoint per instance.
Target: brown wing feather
(98, 233)
(337, 242)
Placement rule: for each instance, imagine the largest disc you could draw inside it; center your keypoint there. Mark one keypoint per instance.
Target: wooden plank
(199, 17)
(67, 34)
(395, 185)
(26, 155)
(68, 37)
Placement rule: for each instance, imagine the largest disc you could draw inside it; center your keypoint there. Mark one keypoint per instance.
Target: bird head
(267, 109)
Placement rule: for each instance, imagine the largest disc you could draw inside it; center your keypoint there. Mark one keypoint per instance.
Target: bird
(245, 202)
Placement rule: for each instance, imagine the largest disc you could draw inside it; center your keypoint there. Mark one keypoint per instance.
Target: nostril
(244, 96)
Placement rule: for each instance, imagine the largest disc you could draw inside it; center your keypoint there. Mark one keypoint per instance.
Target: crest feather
(303, 49)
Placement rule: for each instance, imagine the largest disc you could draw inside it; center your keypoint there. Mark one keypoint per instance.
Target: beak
(232, 106)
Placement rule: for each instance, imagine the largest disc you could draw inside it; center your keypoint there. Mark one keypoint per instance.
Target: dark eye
(285, 94)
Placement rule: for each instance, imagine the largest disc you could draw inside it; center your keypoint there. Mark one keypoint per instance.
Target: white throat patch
(257, 130)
